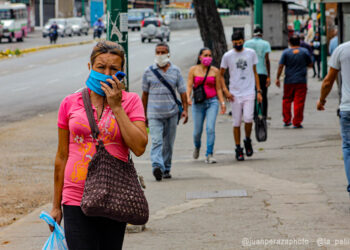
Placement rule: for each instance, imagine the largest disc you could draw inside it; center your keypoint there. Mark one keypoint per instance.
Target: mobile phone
(120, 75)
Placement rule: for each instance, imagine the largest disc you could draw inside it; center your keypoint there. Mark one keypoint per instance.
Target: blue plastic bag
(56, 241)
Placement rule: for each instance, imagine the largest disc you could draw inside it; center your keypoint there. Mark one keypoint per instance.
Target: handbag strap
(165, 83)
(90, 115)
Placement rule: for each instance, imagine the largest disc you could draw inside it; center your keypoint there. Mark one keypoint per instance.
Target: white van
(15, 21)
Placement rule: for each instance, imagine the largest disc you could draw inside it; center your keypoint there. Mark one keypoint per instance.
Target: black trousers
(262, 80)
(91, 233)
(317, 61)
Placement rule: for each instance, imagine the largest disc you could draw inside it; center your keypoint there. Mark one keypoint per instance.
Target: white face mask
(162, 60)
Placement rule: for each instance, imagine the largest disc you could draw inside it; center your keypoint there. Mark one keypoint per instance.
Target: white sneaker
(196, 153)
(210, 159)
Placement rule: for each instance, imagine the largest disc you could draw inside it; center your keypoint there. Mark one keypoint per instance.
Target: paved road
(37, 82)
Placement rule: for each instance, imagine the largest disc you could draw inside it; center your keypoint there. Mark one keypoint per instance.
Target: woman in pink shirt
(208, 109)
(121, 121)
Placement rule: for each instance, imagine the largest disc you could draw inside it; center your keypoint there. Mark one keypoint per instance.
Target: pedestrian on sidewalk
(305, 45)
(209, 77)
(262, 49)
(333, 43)
(296, 60)
(316, 54)
(121, 122)
(241, 64)
(159, 84)
(297, 25)
(340, 61)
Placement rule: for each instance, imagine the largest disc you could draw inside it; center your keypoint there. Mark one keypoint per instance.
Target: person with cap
(262, 49)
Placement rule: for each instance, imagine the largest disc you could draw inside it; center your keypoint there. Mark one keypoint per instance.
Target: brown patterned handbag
(112, 188)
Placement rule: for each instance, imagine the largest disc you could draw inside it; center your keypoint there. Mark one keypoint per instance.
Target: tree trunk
(211, 29)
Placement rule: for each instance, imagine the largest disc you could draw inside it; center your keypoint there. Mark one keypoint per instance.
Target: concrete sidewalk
(295, 183)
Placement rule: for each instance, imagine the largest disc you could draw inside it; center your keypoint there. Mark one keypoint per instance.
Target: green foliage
(232, 4)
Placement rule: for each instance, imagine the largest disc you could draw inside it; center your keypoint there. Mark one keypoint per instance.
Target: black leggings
(91, 233)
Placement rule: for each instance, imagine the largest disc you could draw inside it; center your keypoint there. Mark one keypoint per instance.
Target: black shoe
(298, 126)
(157, 172)
(248, 147)
(239, 154)
(287, 124)
(167, 175)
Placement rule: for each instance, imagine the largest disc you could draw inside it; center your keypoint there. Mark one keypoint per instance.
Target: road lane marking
(30, 66)
(52, 60)
(4, 72)
(73, 56)
(20, 89)
(53, 81)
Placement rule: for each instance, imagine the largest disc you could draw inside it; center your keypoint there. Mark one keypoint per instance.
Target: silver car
(153, 28)
(64, 28)
(79, 25)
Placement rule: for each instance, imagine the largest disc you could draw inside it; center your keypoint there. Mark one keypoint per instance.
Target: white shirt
(340, 60)
(240, 66)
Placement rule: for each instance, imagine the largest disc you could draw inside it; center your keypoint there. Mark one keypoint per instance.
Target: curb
(45, 47)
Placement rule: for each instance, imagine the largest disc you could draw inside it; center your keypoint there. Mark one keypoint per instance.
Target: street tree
(232, 4)
(211, 28)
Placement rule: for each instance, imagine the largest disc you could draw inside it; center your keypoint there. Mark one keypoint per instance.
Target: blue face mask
(93, 82)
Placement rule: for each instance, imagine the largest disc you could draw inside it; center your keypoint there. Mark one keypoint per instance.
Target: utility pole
(155, 6)
(258, 13)
(324, 51)
(314, 17)
(41, 6)
(82, 8)
(117, 29)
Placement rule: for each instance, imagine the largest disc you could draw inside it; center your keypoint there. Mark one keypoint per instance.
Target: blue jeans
(208, 109)
(345, 134)
(163, 132)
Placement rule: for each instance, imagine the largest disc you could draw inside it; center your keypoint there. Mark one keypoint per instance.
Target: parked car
(1, 30)
(64, 28)
(79, 25)
(136, 16)
(153, 28)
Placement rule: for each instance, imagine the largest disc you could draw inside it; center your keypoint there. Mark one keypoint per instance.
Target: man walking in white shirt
(241, 63)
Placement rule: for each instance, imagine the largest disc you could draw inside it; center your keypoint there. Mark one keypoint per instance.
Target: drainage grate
(216, 194)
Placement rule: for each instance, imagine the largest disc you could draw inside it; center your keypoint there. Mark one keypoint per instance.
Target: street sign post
(117, 29)
(258, 13)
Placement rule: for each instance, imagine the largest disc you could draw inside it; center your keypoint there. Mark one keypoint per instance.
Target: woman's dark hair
(294, 40)
(106, 47)
(237, 36)
(200, 53)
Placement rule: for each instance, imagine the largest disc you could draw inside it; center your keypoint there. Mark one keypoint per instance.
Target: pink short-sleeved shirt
(72, 116)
